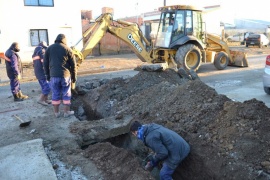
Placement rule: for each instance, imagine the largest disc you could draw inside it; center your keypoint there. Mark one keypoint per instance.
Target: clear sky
(238, 8)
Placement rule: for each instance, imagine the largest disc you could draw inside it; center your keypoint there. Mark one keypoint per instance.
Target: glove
(73, 89)
(73, 85)
(153, 160)
(19, 77)
(148, 166)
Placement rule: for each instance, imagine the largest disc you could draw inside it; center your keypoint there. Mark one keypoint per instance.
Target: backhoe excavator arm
(126, 31)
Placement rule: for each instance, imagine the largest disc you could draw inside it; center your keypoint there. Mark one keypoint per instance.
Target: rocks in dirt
(153, 67)
(92, 132)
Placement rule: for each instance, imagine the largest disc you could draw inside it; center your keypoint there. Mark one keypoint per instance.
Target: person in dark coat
(61, 70)
(38, 57)
(13, 68)
(168, 146)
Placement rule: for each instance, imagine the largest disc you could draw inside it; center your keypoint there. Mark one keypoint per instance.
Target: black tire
(189, 56)
(267, 90)
(221, 60)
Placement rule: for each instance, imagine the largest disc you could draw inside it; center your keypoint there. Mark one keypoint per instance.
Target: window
(38, 3)
(38, 35)
(179, 25)
(198, 27)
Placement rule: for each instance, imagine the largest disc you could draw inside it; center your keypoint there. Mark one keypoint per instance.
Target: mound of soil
(229, 140)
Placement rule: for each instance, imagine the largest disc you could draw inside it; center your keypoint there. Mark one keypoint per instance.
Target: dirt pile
(229, 140)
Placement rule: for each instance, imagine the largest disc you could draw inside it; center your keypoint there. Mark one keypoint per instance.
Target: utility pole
(137, 11)
(164, 3)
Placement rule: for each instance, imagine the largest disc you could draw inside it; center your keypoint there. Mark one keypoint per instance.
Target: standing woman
(13, 67)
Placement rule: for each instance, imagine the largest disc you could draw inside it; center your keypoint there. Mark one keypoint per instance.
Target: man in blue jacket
(13, 68)
(38, 57)
(169, 147)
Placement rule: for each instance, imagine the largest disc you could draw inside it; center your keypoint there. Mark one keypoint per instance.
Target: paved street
(238, 84)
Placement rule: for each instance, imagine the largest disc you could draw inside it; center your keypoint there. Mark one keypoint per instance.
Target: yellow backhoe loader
(181, 40)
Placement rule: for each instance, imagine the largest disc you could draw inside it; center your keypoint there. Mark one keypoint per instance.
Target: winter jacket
(59, 60)
(38, 57)
(168, 146)
(13, 62)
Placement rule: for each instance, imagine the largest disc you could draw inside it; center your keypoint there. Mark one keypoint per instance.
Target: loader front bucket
(238, 58)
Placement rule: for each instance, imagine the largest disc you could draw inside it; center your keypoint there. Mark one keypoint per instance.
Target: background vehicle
(183, 43)
(266, 76)
(239, 37)
(257, 40)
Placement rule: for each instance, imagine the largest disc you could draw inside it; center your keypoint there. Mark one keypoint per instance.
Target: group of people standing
(55, 69)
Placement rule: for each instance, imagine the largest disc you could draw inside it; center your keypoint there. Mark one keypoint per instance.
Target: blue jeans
(166, 172)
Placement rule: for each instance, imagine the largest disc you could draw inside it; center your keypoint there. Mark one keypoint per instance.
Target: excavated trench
(223, 134)
(84, 111)
(125, 141)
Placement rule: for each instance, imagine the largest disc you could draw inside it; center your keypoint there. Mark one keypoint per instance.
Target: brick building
(109, 44)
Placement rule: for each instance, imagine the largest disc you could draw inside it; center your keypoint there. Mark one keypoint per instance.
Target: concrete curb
(26, 160)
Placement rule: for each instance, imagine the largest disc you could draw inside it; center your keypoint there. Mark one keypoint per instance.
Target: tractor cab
(179, 24)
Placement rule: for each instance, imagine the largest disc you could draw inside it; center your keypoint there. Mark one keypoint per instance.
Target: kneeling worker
(168, 146)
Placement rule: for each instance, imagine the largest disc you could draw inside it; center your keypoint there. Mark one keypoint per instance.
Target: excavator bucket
(238, 58)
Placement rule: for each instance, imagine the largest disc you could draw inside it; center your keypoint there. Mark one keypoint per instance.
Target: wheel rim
(192, 59)
(223, 60)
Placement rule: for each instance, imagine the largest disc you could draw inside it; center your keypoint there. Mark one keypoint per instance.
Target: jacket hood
(150, 127)
(61, 38)
(15, 47)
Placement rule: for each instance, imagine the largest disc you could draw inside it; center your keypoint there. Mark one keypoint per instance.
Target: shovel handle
(18, 118)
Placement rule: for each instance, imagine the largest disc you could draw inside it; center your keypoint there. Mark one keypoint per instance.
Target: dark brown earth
(229, 140)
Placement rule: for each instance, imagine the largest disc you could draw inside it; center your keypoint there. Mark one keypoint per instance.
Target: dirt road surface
(229, 140)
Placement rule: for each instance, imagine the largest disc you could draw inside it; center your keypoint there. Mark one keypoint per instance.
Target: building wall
(212, 16)
(250, 24)
(17, 19)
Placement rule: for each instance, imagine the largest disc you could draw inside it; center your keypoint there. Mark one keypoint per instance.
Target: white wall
(212, 19)
(16, 20)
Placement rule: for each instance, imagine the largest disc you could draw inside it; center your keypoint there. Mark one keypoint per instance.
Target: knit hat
(135, 126)
(43, 44)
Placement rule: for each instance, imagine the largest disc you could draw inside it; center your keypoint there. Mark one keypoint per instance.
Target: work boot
(68, 114)
(46, 99)
(22, 96)
(17, 97)
(57, 115)
(42, 100)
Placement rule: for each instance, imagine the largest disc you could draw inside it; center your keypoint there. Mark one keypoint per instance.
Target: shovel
(23, 124)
